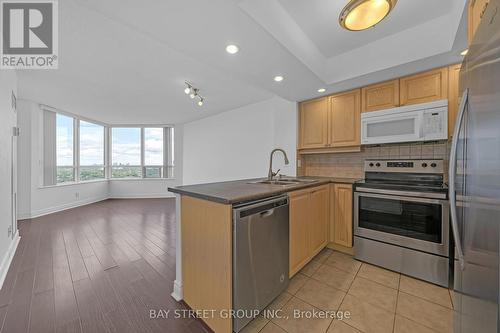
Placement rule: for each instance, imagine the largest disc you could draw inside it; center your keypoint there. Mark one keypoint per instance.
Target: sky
(125, 143)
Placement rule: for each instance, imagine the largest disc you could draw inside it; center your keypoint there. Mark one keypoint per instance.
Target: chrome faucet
(271, 174)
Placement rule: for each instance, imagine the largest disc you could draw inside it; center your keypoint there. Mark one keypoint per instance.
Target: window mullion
(76, 149)
(107, 153)
(143, 168)
(166, 150)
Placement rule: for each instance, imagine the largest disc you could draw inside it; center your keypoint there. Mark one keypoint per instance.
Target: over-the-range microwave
(419, 122)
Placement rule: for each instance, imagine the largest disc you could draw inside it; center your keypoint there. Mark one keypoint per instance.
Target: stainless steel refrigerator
(474, 182)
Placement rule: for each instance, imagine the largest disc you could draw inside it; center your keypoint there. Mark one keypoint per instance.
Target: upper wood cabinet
(424, 87)
(453, 96)
(475, 14)
(309, 212)
(314, 123)
(380, 96)
(341, 215)
(345, 119)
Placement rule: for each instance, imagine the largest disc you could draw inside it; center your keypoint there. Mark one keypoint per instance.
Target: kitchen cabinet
(331, 122)
(207, 259)
(341, 215)
(318, 230)
(453, 96)
(299, 215)
(314, 123)
(308, 225)
(345, 119)
(380, 96)
(476, 10)
(424, 87)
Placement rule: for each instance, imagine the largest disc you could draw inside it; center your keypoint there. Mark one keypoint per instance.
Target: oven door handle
(452, 174)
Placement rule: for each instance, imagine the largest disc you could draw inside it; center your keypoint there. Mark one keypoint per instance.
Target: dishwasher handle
(267, 213)
(264, 208)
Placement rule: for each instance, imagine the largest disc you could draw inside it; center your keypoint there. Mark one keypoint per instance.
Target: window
(91, 166)
(65, 149)
(77, 150)
(126, 152)
(154, 159)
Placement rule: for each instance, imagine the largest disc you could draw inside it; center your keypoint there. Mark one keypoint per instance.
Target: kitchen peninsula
(320, 214)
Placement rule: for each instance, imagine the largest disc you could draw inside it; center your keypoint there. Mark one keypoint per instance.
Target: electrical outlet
(9, 231)
(77, 195)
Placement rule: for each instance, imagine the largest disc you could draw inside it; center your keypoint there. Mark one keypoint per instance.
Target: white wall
(8, 84)
(236, 144)
(36, 200)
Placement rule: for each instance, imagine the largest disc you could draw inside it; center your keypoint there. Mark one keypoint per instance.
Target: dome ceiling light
(363, 14)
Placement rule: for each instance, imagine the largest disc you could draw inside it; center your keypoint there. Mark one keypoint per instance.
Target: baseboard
(340, 248)
(177, 292)
(7, 259)
(143, 196)
(55, 209)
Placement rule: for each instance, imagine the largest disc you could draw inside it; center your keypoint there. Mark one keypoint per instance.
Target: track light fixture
(193, 93)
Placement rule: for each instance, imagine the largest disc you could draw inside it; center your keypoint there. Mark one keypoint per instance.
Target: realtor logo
(29, 38)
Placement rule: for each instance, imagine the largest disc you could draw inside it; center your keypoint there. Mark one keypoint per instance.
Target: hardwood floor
(96, 268)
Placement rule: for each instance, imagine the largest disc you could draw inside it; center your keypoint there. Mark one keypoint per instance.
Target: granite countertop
(232, 192)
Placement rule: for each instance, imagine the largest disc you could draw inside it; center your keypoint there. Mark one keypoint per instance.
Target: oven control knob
(433, 165)
(424, 165)
(378, 164)
(371, 164)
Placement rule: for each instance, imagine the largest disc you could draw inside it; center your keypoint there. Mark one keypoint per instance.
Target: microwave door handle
(420, 124)
(451, 177)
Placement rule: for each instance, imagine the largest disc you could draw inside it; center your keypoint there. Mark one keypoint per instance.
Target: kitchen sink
(284, 181)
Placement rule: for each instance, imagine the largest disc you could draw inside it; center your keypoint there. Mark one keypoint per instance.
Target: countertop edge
(262, 195)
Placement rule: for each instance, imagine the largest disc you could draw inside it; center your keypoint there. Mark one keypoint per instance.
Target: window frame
(167, 146)
(78, 164)
(167, 169)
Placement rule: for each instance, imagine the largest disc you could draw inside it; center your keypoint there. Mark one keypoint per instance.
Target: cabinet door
(380, 96)
(453, 96)
(342, 233)
(475, 14)
(424, 87)
(318, 231)
(314, 123)
(299, 241)
(345, 119)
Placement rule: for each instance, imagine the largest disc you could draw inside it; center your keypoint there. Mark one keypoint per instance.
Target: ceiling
(125, 62)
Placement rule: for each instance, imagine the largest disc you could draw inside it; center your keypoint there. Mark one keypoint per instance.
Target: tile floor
(377, 299)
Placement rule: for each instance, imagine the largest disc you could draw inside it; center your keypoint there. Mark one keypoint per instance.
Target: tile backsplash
(351, 164)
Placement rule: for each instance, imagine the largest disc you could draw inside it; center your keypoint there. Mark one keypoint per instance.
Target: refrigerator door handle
(452, 174)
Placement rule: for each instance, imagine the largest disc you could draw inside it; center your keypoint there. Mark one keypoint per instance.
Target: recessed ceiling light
(232, 49)
(464, 52)
(363, 14)
(321, 90)
(278, 78)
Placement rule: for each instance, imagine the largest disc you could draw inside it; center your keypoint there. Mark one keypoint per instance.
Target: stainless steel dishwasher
(260, 255)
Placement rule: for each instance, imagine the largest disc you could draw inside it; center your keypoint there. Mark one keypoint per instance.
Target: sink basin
(298, 180)
(284, 181)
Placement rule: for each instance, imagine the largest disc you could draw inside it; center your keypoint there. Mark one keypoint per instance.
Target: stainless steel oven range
(401, 218)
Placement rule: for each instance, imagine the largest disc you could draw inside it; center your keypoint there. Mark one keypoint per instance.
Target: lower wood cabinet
(309, 212)
(341, 215)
